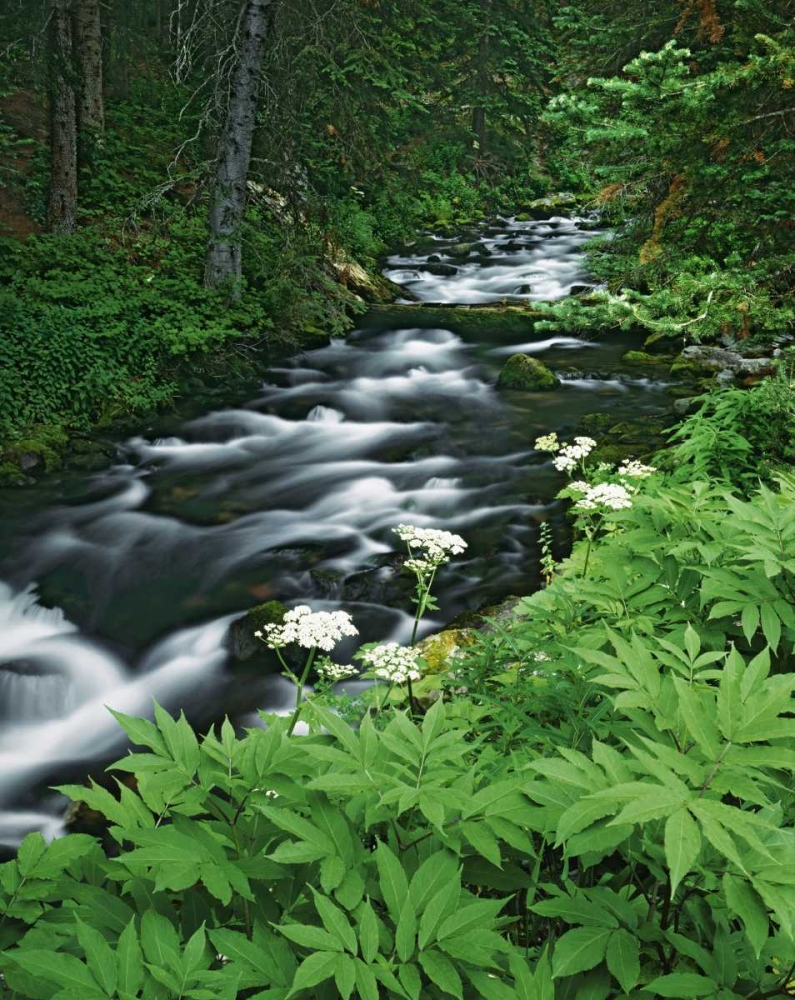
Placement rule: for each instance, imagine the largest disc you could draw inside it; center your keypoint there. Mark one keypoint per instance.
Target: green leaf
(440, 906)
(696, 714)
(392, 879)
(483, 840)
(682, 845)
(368, 932)
(660, 802)
(745, 902)
(579, 950)
(491, 988)
(682, 984)
(406, 932)
(623, 959)
(99, 956)
(57, 967)
(442, 973)
(435, 872)
(313, 970)
(130, 961)
(366, 983)
(30, 852)
(160, 941)
(480, 914)
(335, 922)
(345, 975)
(771, 626)
(309, 936)
(750, 621)
(142, 732)
(410, 980)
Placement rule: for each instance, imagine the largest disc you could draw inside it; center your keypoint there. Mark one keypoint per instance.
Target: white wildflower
(392, 662)
(571, 454)
(549, 442)
(420, 566)
(318, 629)
(541, 656)
(636, 470)
(436, 545)
(564, 463)
(258, 634)
(579, 486)
(605, 496)
(334, 672)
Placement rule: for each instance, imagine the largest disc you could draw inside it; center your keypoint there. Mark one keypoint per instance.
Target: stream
(119, 586)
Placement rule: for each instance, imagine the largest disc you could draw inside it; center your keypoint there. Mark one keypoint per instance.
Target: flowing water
(120, 586)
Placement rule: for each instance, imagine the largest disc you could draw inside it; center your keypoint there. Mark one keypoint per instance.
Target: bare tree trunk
(479, 113)
(228, 200)
(62, 209)
(88, 42)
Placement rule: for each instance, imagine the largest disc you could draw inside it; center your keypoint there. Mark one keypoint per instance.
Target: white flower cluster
(302, 626)
(436, 546)
(334, 672)
(549, 442)
(636, 470)
(607, 496)
(570, 455)
(541, 657)
(393, 663)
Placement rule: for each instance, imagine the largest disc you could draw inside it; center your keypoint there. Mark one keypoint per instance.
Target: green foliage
(355, 860)
(691, 145)
(600, 805)
(736, 435)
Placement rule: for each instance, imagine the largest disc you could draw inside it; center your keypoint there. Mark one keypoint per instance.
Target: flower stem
(385, 699)
(299, 693)
(587, 554)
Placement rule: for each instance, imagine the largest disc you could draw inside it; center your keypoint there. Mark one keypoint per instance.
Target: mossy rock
(683, 368)
(521, 371)
(644, 358)
(440, 651)
(469, 321)
(41, 450)
(596, 423)
(243, 644)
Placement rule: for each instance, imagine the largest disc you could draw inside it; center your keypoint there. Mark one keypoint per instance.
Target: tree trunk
(88, 42)
(482, 77)
(228, 200)
(62, 208)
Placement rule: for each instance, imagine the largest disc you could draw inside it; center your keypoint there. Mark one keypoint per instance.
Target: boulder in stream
(521, 371)
(242, 642)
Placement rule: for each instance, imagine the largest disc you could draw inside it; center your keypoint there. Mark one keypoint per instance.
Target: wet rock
(435, 258)
(552, 204)
(683, 406)
(580, 289)
(721, 359)
(441, 270)
(461, 249)
(243, 644)
(440, 651)
(521, 371)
